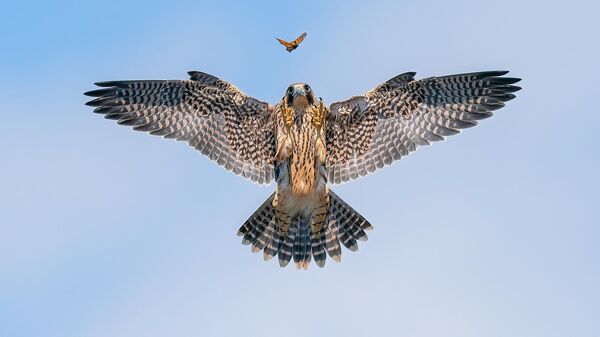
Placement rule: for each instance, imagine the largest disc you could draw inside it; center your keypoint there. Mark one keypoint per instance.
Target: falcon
(304, 145)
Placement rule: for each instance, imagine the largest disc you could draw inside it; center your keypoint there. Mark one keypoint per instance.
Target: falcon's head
(299, 96)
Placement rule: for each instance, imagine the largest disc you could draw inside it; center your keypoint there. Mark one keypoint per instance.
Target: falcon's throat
(299, 96)
(300, 102)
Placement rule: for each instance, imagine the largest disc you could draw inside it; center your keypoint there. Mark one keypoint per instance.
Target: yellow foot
(288, 115)
(319, 115)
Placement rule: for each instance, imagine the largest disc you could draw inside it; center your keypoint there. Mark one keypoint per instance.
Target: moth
(290, 46)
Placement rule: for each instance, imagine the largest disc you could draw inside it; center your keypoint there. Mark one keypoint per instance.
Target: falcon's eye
(290, 89)
(307, 88)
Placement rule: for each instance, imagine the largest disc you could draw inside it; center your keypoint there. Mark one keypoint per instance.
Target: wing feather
(211, 115)
(366, 133)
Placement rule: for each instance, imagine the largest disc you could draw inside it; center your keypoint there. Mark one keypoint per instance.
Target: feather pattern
(366, 133)
(211, 115)
(300, 242)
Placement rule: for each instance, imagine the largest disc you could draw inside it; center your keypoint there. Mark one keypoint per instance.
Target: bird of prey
(303, 145)
(290, 46)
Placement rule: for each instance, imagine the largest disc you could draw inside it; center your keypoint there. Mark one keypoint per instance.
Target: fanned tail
(301, 241)
(254, 231)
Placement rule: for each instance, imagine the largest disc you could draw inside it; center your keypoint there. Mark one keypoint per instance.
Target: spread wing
(209, 114)
(285, 43)
(368, 132)
(299, 39)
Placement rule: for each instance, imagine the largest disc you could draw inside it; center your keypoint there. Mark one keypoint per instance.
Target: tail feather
(317, 243)
(302, 244)
(257, 222)
(348, 240)
(355, 230)
(287, 248)
(343, 224)
(359, 233)
(332, 243)
(273, 246)
(258, 228)
(264, 238)
(346, 213)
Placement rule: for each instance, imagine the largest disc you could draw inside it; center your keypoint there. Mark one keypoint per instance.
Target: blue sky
(107, 232)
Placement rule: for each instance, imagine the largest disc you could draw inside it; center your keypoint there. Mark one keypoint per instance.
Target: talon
(319, 115)
(288, 114)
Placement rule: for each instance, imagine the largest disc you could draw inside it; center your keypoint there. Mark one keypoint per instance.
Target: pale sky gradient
(108, 232)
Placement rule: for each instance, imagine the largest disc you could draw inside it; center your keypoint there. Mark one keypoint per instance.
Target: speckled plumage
(303, 145)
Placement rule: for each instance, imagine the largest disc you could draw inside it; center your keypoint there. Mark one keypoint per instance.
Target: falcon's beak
(298, 91)
(299, 98)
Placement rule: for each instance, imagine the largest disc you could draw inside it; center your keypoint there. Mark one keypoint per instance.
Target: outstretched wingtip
(203, 77)
(104, 84)
(497, 72)
(99, 92)
(90, 93)
(194, 74)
